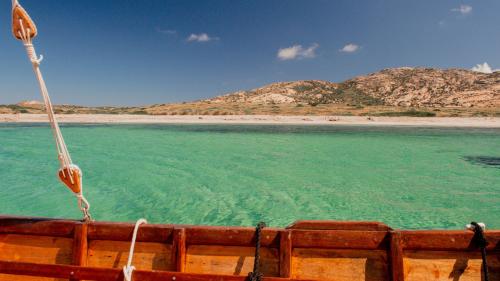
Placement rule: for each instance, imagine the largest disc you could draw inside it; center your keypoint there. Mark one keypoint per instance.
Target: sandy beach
(484, 122)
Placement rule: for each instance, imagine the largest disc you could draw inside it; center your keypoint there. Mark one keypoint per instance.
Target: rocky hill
(407, 87)
(430, 87)
(391, 92)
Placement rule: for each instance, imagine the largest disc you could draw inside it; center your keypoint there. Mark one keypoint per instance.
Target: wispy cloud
(350, 48)
(202, 37)
(484, 68)
(463, 9)
(167, 31)
(297, 52)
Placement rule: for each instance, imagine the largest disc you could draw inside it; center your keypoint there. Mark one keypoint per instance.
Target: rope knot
(32, 54)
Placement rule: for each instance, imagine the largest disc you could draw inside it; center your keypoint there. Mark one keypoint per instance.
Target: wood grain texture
(340, 239)
(396, 257)
(123, 232)
(36, 249)
(72, 178)
(230, 236)
(106, 274)
(179, 249)
(230, 260)
(308, 250)
(451, 240)
(286, 254)
(448, 266)
(341, 265)
(19, 14)
(37, 226)
(114, 254)
(339, 225)
(80, 245)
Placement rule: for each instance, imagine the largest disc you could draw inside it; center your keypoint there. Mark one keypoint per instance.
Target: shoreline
(481, 122)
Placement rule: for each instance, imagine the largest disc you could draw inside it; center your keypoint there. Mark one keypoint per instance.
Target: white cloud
(350, 48)
(483, 68)
(297, 52)
(463, 9)
(202, 37)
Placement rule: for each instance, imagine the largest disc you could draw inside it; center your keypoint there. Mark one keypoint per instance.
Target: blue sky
(124, 52)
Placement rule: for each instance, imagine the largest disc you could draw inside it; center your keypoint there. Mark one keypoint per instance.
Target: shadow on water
(488, 161)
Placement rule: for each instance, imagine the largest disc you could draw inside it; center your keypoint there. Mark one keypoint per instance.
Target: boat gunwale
(244, 236)
(365, 236)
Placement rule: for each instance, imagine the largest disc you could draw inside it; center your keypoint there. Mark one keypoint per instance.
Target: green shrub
(410, 113)
(139, 112)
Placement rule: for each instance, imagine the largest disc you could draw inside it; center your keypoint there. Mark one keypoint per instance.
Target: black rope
(256, 275)
(481, 242)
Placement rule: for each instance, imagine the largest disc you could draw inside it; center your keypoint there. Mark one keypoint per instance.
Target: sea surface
(405, 177)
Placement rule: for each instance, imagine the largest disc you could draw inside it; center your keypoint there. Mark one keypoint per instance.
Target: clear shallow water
(239, 175)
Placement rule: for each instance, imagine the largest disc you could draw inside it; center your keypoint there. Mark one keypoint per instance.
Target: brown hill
(410, 87)
(398, 91)
(430, 87)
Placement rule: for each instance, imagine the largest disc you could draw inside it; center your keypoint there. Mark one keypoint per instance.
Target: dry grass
(211, 108)
(208, 108)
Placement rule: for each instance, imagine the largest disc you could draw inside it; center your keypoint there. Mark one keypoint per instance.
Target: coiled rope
(129, 268)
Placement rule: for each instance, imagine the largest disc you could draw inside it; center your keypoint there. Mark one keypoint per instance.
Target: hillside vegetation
(390, 92)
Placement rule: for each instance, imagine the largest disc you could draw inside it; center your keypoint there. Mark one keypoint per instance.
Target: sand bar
(485, 122)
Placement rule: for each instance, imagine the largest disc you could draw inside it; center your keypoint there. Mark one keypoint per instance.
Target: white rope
(63, 155)
(129, 268)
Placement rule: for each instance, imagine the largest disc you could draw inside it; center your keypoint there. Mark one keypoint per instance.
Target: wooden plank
(102, 274)
(39, 249)
(80, 245)
(286, 254)
(169, 276)
(338, 225)
(11, 277)
(396, 257)
(340, 239)
(230, 260)
(114, 254)
(179, 249)
(123, 232)
(340, 265)
(446, 240)
(36, 226)
(60, 271)
(32, 248)
(230, 236)
(449, 266)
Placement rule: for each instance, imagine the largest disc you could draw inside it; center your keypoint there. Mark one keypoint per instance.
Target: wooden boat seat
(46, 249)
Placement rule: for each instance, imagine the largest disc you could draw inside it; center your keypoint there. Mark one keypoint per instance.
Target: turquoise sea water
(239, 175)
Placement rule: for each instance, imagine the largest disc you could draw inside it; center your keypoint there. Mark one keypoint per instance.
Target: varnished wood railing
(304, 234)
